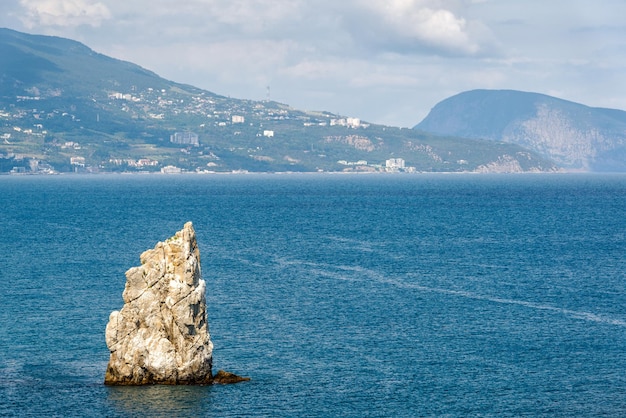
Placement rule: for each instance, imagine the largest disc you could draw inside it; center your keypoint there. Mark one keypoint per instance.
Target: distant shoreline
(306, 173)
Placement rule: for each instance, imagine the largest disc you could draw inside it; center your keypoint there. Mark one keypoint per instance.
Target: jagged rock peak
(161, 335)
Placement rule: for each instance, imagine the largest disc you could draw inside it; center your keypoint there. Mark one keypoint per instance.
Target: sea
(384, 295)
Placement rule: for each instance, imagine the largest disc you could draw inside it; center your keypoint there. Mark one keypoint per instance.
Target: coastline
(349, 173)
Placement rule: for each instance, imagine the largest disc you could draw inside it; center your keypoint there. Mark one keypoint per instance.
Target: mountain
(65, 107)
(573, 135)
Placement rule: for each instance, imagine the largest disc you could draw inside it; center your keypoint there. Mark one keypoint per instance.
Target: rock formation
(161, 335)
(225, 378)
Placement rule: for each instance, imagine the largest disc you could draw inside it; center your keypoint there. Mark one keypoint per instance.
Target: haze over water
(385, 295)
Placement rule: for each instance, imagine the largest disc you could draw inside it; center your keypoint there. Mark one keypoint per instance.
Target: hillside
(573, 135)
(66, 108)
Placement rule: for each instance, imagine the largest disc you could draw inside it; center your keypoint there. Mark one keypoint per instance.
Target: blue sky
(384, 61)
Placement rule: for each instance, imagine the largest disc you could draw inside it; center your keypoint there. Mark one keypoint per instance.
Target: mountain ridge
(65, 107)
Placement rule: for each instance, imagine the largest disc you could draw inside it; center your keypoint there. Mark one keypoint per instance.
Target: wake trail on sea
(586, 316)
(357, 273)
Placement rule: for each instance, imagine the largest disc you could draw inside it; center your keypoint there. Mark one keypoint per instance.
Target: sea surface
(339, 295)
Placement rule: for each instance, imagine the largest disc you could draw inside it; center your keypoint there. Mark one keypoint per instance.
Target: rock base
(226, 378)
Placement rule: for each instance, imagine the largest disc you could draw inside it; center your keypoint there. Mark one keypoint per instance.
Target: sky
(383, 61)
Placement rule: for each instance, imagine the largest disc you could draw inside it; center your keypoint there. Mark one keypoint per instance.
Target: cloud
(349, 27)
(381, 60)
(437, 27)
(253, 15)
(411, 26)
(311, 69)
(221, 18)
(63, 13)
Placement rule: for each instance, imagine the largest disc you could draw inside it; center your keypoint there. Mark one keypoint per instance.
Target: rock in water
(161, 335)
(226, 378)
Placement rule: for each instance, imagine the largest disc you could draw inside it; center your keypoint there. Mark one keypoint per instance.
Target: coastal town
(77, 111)
(188, 124)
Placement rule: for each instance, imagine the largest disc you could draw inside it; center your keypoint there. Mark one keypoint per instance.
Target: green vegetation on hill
(64, 107)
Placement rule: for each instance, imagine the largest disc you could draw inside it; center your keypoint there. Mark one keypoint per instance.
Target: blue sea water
(372, 295)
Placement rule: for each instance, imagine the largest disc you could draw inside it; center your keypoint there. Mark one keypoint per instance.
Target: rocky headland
(161, 334)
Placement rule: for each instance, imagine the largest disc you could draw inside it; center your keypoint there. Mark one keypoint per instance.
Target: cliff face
(572, 135)
(161, 335)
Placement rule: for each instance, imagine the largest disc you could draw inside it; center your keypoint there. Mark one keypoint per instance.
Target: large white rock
(161, 335)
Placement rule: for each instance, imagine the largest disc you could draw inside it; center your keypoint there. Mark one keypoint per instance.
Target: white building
(238, 119)
(78, 161)
(349, 122)
(394, 164)
(353, 122)
(268, 134)
(344, 162)
(170, 169)
(185, 138)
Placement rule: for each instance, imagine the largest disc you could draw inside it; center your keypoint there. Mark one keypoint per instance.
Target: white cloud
(415, 25)
(438, 27)
(63, 13)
